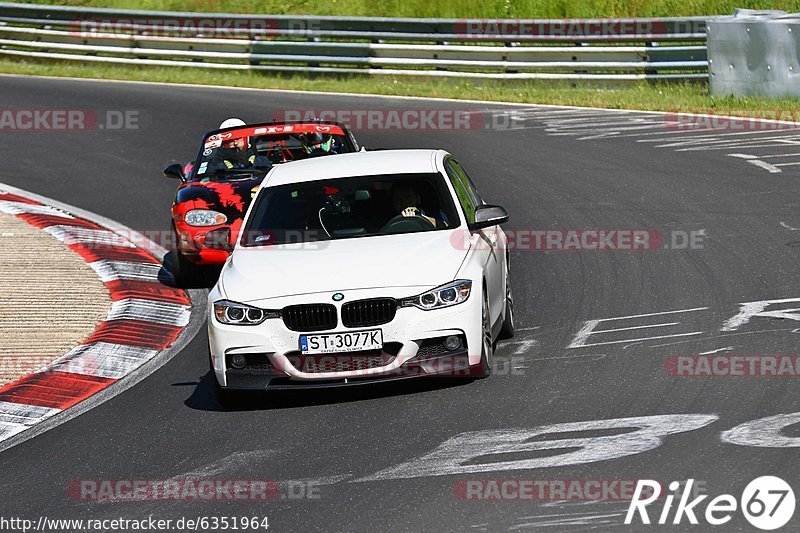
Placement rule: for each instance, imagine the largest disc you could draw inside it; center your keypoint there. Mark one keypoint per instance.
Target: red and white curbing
(146, 317)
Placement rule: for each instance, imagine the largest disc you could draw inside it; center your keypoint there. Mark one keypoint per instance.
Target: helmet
(316, 142)
(232, 123)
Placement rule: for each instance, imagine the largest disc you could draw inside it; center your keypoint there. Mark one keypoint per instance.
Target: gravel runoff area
(51, 298)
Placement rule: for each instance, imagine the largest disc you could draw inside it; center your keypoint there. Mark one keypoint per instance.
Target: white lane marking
(17, 417)
(744, 156)
(637, 327)
(616, 132)
(764, 432)
(728, 146)
(718, 136)
(790, 228)
(642, 339)
(150, 311)
(579, 341)
(725, 349)
(459, 454)
(718, 336)
(777, 155)
(116, 270)
(599, 125)
(751, 310)
(20, 208)
(77, 235)
(522, 346)
(787, 164)
(676, 311)
(103, 359)
(766, 166)
(571, 358)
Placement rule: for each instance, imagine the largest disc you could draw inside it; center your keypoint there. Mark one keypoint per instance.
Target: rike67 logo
(767, 503)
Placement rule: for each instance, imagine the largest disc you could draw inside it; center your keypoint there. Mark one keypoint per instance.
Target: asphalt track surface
(169, 425)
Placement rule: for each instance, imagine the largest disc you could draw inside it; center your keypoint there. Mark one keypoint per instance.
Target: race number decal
(482, 451)
(764, 432)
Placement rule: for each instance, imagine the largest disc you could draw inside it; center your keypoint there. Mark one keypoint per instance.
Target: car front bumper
(412, 345)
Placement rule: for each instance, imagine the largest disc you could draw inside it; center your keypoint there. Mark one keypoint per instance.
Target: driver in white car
(405, 198)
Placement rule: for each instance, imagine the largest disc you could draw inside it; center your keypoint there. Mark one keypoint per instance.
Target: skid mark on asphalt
(682, 133)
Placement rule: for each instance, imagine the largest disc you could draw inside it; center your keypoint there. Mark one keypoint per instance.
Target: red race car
(216, 189)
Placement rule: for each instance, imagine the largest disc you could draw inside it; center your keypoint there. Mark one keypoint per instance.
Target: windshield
(351, 207)
(254, 149)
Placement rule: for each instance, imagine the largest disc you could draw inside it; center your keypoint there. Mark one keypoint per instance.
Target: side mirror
(219, 239)
(174, 170)
(488, 215)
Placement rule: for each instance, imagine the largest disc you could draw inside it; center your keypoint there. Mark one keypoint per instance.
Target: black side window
(470, 186)
(461, 185)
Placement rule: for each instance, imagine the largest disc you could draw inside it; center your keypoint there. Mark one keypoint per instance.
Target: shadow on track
(203, 398)
(202, 280)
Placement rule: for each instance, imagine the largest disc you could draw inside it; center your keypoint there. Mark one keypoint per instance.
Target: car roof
(356, 164)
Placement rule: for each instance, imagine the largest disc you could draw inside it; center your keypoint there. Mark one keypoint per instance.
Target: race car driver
(237, 153)
(317, 143)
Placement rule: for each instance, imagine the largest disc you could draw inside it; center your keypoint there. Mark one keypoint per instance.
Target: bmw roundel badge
(338, 297)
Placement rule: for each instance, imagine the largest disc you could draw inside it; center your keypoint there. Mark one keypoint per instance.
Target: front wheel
(487, 346)
(507, 330)
(185, 272)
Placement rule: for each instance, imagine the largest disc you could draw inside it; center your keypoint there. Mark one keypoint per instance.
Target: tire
(184, 272)
(507, 330)
(487, 346)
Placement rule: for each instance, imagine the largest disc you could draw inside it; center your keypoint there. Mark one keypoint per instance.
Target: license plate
(351, 341)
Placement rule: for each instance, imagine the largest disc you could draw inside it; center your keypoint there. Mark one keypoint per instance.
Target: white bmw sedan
(359, 268)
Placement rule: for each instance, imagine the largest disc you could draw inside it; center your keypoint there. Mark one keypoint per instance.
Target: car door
(491, 256)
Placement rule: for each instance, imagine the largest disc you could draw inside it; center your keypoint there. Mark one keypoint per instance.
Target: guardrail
(609, 50)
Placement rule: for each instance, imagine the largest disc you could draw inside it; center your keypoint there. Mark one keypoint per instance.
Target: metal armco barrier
(755, 53)
(600, 49)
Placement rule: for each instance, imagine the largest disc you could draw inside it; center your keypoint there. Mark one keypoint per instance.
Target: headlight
(204, 217)
(453, 293)
(238, 314)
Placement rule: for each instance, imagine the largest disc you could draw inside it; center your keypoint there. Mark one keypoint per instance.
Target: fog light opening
(238, 361)
(452, 343)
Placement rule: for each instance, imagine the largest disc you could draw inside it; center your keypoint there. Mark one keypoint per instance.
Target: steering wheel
(401, 224)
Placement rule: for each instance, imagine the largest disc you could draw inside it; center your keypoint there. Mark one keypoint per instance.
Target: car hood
(425, 259)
